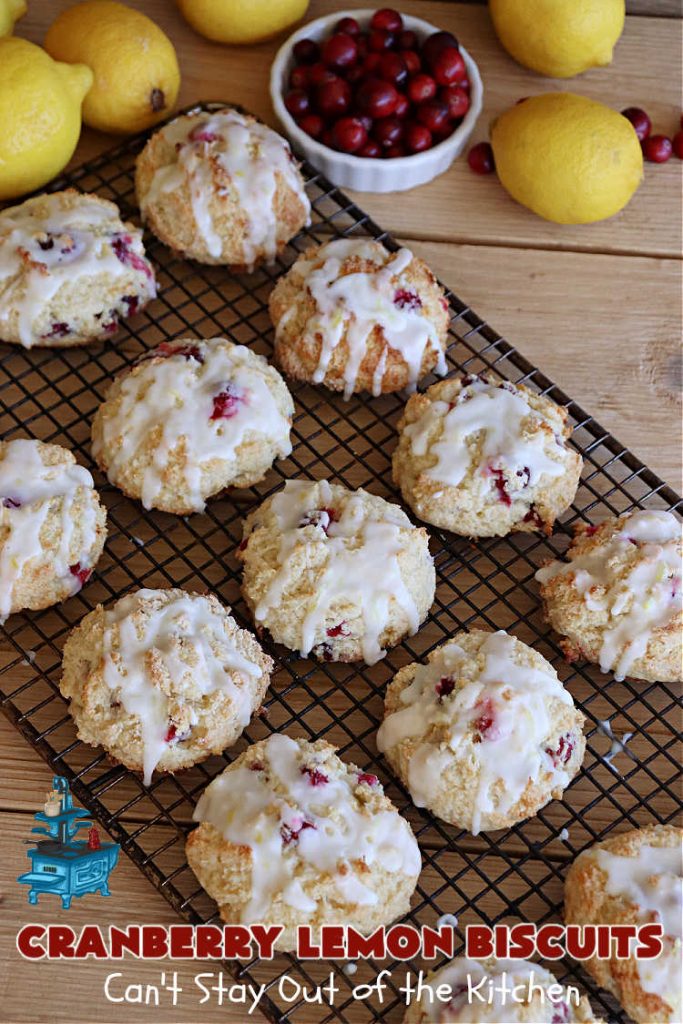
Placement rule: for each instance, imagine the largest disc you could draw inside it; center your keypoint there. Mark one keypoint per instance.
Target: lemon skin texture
(40, 115)
(134, 63)
(241, 21)
(10, 11)
(566, 157)
(559, 38)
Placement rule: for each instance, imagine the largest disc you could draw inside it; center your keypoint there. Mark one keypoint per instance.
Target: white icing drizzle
(75, 241)
(511, 441)
(462, 974)
(362, 567)
(351, 306)
(512, 750)
(177, 395)
(28, 490)
(651, 881)
(647, 599)
(312, 830)
(185, 621)
(251, 154)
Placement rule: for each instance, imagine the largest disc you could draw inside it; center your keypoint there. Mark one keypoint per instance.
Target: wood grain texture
(606, 327)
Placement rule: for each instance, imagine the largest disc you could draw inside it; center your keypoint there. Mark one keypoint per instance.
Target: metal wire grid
(517, 874)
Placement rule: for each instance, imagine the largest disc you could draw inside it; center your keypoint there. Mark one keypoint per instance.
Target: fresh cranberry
(456, 99)
(349, 26)
(366, 121)
(315, 776)
(291, 833)
(121, 246)
(484, 724)
(371, 150)
(58, 330)
(561, 754)
(202, 133)
(407, 40)
(480, 158)
(327, 138)
(417, 138)
(392, 152)
(322, 517)
(318, 75)
(392, 68)
(402, 105)
(405, 299)
(297, 102)
(388, 131)
(354, 74)
(81, 574)
(379, 40)
(445, 687)
(371, 62)
(387, 19)
(349, 134)
(677, 144)
(448, 66)
(340, 630)
(640, 121)
(411, 60)
(433, 114)
(532, 516)
(227, 402)
(421, 88)
(501, 485)
(368, 778)
(377, 98)
(333, 98)
(657, 148)
(340, 51)
(434, 44)
(306, 51)
(11, 503)
(299, 78)
(313, 125)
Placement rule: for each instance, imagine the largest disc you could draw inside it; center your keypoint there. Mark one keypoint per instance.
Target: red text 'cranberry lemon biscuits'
(497, 992)
(291, 835)
(482, 457)
(52, 525)
(484, 734)
(162, 679)
(189, 419)
(221, 188)
(70, 270)
(353, 316)
(634, 878)
(617, 600)
(342, 574)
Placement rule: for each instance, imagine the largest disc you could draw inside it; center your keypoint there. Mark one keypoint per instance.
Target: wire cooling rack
(506, 876)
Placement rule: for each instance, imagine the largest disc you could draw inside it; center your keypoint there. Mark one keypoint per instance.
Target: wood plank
(460, 206)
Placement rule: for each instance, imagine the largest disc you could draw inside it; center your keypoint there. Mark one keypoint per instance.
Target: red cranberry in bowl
(313, 125)
(392, 152)
(377, 98)
(417, 138)
(340, 51)
(348, 25)
(371, 62)
(298, 78)
(434, 44)
(402, 105)
(407, 40)
(448, 66)
(457, 100)
(349, 134)
(433, 114)
(388, 19)
(388, 131)
(379, 41)
(318, 74)
(421, 88)
(354, 74)
(306, 51)
(412, 61)
(333, 98)
(392, 68)
(371, 150)
(297, 102)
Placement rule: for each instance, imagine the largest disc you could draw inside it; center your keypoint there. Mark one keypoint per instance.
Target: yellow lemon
(560, 38)
(10, 11)
(133, 61)
(40, 115)
(568, 158)
(241, 21)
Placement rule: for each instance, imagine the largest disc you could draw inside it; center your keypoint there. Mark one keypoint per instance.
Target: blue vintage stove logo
(61, 864)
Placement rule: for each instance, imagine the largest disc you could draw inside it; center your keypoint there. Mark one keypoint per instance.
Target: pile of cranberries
(380, 92)
(656, 148)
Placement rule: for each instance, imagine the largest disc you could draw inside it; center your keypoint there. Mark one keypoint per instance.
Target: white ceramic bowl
(363, 173)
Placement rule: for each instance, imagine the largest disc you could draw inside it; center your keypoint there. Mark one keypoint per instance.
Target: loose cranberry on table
(677, 144)
(640, 121)
(480, 158)
(657, 148)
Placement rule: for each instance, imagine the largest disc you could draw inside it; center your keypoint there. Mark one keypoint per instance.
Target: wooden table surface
(598, 308)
